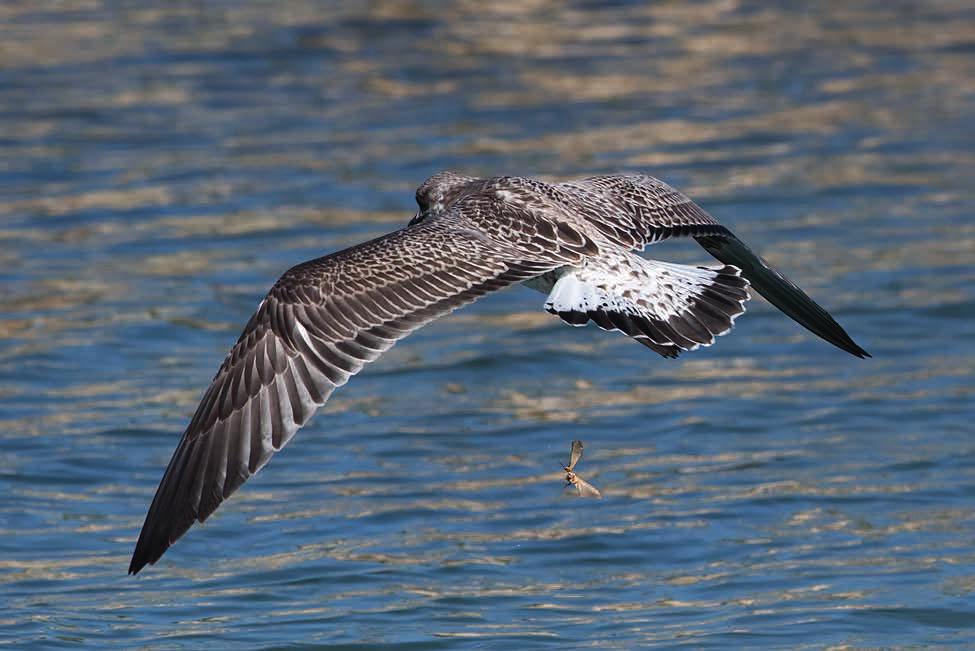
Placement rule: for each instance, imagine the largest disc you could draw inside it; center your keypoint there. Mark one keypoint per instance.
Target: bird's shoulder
(525, 215)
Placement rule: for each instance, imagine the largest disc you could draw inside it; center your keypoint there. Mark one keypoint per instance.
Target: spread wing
(575, 454)
(637, 210)
(585, 489)
(318, 326)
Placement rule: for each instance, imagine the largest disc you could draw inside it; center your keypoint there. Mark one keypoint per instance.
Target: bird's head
(438, 192)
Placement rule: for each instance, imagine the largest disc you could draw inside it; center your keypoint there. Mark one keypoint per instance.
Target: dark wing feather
(637, 210)
(585, 489)
(781, 292)
(318, 326)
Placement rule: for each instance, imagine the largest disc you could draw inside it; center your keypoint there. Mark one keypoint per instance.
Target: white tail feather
(678, 307)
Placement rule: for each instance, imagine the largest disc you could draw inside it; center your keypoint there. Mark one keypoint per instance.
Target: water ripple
(164, 163)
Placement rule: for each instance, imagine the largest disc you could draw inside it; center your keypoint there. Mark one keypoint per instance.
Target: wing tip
(135, 566)
(158, 535)
(832, 332)
(781, 292)
(140, 559)
(854, 349)
(148, 550)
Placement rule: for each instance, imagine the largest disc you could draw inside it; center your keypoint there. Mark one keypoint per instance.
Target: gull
(580, 486)
(325, 319)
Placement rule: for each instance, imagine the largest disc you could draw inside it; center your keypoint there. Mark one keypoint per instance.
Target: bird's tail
(669, 308)
(780, 291)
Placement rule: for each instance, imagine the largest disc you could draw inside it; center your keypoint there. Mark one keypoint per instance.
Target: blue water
(162, 163)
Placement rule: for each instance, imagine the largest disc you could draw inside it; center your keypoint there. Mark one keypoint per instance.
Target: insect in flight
(579, 486)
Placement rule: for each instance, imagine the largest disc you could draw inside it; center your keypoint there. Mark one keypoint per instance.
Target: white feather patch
(628, 283)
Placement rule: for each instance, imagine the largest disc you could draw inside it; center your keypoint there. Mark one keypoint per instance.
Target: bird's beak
(416, 218)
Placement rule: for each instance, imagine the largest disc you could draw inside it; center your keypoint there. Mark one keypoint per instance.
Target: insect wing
(575, 454)
(586, 489)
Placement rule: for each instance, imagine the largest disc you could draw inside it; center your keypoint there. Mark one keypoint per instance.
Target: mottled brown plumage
(323, 320)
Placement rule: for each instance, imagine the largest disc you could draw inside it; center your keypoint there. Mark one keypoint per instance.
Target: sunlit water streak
(161, 165)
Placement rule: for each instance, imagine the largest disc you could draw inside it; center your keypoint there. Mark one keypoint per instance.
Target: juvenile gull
(323, 320)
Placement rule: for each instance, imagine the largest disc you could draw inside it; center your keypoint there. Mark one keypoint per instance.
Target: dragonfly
(580, 486)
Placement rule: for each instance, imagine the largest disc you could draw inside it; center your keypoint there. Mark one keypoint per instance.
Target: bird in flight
(579, 486)
(324, 319)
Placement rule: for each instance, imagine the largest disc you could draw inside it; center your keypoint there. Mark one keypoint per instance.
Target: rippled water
(162, 163)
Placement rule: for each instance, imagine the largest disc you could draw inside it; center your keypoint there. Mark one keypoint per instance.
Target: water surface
(162, 163)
